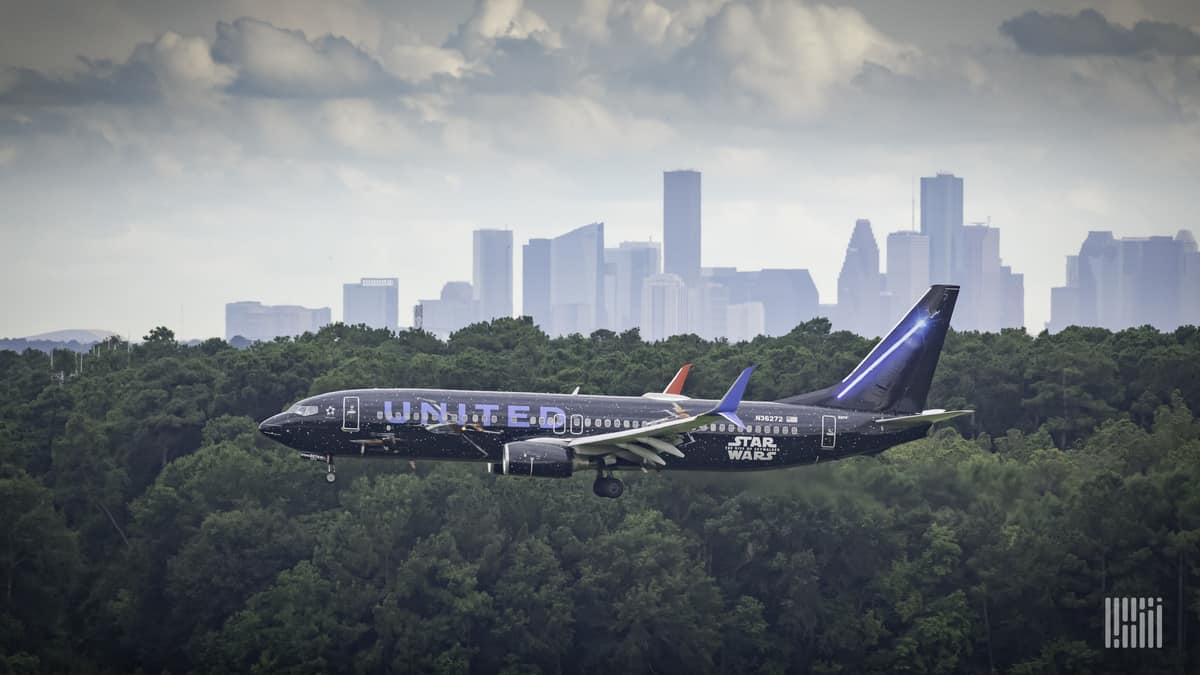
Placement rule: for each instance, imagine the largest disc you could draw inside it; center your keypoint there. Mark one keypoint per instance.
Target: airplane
(879, 404)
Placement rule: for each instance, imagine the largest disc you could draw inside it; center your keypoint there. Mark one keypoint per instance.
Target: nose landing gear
(331, 474)
(607, 486)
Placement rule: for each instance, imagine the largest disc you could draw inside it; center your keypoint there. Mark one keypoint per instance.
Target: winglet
(676, 385)
(728, 406)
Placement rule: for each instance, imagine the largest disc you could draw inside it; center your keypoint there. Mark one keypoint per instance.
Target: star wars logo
(752, 448)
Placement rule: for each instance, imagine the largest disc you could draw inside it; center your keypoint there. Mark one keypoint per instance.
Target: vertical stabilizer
(896, 375)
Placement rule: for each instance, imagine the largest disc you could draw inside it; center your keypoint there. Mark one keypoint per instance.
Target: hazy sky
(161, 158)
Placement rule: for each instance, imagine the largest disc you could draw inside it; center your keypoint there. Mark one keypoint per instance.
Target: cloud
(409, 58)
(1088, 32)
(182, 63)
(248, 57)
(783, 53)
(498, 20)
(277, 62)
(361, 126)
(99, 81)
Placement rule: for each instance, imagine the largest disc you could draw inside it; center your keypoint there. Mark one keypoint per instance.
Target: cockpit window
(303, 410)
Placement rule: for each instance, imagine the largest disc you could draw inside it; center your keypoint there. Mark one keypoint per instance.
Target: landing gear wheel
(330, 477)
(607, 486)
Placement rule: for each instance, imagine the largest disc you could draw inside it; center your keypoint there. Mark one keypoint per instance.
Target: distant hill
(75, 339)
(80, 335)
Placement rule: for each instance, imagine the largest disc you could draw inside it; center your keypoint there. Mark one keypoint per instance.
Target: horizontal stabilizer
(925, 417)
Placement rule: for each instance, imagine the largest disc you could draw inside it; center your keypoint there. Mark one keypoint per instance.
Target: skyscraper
(1096, 272)
(977, 257)
(745, 321)
(454, 310)
(860, 286)
(492, 277)
(632, 262)
(1152, 270)
(664, 307)
(374, 302)
(1119, 283)
(788, 298)
(1189, 298)
(941, 218)
(907, 269)
(1013, 313)
(535, 282)
(681, 225)
(256, 321)
(707, 309)
(577, 281)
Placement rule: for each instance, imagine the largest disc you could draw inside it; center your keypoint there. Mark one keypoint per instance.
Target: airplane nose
(272, 426)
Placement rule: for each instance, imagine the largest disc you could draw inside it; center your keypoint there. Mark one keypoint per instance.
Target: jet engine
(530, 458)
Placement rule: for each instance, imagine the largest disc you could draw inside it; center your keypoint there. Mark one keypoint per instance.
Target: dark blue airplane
(881, 403)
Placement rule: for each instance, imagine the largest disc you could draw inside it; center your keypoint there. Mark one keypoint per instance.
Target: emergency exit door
(828, 431)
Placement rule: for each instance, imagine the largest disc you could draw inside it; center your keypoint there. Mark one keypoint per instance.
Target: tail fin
(896, 375)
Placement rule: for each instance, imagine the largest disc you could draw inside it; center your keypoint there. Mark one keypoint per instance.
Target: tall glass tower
(941, 221)
(492, 273)
(681, 225)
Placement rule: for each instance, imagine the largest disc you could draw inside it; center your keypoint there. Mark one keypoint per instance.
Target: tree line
(148, 527)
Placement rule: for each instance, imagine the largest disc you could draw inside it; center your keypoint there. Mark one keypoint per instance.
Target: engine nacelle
(542, 460)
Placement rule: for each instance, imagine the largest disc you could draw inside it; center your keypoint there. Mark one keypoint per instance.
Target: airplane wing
(924, 417)
(645, 444)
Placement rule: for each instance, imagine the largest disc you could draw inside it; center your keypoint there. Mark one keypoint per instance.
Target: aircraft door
(828, 431)
(558, 422)
(349, 413)
(576, 424)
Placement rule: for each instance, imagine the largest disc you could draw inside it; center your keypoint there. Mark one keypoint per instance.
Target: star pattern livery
(879, 404)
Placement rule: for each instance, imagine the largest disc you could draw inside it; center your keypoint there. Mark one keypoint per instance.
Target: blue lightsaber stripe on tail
(882, 357)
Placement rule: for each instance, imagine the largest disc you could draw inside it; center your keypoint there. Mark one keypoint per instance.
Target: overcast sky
(161, 158)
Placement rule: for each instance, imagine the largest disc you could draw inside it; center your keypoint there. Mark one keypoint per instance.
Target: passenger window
(626, 424)
(793, 431)
(587, 421)
(607, 423)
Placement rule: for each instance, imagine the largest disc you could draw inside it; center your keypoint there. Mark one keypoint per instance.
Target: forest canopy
(148, 526)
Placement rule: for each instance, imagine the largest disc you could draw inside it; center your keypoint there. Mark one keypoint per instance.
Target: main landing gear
(607, 486)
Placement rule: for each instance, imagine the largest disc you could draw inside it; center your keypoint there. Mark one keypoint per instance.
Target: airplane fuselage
(474, 426)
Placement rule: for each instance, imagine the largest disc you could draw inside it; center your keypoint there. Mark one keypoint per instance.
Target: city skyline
(286, 149)
(579, 285)
(574, 283)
